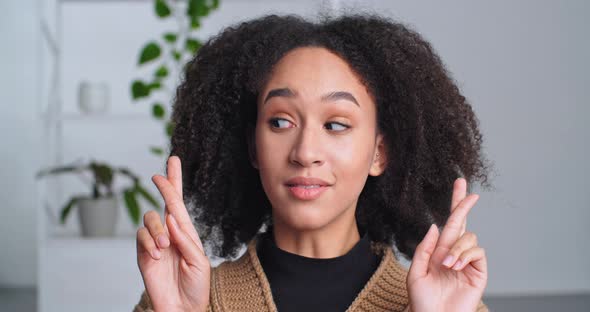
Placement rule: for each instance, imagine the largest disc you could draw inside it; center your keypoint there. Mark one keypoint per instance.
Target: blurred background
(85, 99)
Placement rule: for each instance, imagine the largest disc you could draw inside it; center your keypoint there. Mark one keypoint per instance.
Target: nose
(307, 149)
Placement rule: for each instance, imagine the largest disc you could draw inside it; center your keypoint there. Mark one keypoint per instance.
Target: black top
(300, 283)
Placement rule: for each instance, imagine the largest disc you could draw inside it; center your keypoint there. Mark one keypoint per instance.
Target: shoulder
(232, 275)
(387, 286)
(233, 281)
(242, 266)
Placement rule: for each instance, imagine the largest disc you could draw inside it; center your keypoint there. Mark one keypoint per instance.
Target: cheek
(271, 153)
(350, 164)
(270, 148)
(349, 156)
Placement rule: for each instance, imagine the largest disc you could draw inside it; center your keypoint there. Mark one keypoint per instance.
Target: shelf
(100, 117)
(81, 239)
(99, 1)
(78, 244)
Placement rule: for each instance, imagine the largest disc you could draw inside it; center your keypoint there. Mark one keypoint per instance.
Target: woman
(340, 138)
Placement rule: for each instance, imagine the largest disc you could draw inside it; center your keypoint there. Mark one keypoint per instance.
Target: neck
(330, 241)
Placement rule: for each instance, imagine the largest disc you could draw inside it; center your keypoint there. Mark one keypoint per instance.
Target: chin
(304, 218)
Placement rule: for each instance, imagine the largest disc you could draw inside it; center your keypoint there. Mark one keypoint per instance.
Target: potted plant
(98, 211)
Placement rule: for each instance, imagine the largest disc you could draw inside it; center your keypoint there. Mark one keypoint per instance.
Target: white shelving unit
(76, 273)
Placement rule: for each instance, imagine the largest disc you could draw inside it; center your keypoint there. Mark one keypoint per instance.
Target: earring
(377, 155)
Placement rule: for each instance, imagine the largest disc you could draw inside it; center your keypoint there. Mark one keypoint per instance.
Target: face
(315, 120)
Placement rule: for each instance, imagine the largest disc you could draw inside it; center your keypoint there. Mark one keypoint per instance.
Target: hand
(459, 284)
(175, 270)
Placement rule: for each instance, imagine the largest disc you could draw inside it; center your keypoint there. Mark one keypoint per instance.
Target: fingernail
(432, 228)
(448, 260)
(156, 253)
(163, 241)
(458, 264)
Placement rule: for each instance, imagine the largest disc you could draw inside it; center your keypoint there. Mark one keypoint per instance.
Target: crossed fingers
(462, 245)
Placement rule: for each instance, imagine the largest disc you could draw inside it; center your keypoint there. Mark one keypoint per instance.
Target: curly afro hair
(429, 128)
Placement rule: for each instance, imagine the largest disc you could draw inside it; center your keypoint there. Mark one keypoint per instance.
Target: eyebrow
(332, 96)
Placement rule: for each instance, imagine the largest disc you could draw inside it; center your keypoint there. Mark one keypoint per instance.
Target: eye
(281, 123)
(277, 122)
(339, 126)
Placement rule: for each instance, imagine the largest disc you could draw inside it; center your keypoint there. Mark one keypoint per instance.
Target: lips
(304, 188)
(306, 181)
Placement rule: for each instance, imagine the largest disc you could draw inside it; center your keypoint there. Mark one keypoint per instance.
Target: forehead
(315, 71)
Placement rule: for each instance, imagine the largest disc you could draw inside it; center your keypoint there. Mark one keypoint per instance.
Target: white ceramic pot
(98, 217)
(93, 97)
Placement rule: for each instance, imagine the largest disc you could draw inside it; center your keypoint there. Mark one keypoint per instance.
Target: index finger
(172, 200)
(174, 176)
(452, 229)
(459, 193)
(174, 172)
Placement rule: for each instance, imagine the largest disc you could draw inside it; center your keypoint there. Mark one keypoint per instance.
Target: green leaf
(139, 89)
(192, 45)
(103, 173)
(202, 9)
(158, 111)
(150, 52)
(128, 173)
(157, 150)
(162, 9)
(177, 55)
(161, 72)
(65, 211)
(148, 196)
(199, 8)
(169, 128)
(195, 23)
(154, 85)
(132, 205)
(170, 37)
(191, 9)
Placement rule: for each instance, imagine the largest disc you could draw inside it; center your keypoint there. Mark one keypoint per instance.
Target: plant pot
(98, 217)
(93, 98)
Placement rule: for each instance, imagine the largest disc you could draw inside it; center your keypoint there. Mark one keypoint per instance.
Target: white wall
(19, 141)
(523, 65)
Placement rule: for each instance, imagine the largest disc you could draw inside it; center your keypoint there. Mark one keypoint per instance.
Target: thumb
(424, 250)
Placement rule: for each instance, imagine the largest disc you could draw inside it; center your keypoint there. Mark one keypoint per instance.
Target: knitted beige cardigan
(241, 285)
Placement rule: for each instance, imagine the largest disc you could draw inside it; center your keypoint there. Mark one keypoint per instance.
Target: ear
(251, 140)
(380, 157)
